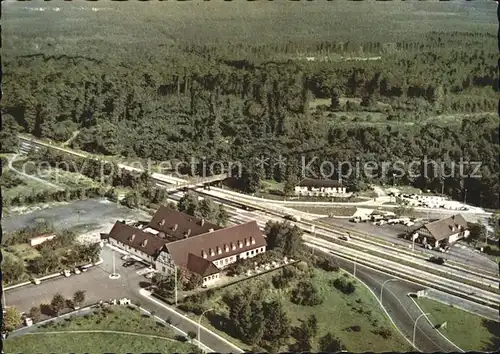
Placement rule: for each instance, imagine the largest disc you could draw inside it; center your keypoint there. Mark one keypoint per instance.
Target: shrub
(345, 286)
(383, 332)
(306, 294)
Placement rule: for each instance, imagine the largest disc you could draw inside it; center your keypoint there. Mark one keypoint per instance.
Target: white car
(66, 273)
(77, 271)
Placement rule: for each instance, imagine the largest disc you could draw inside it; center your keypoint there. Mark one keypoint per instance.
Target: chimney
(202, 221)
(210, 230)
(233, 246)
(226, 248)
(131, 238)
(144, 243)
(162, 222)
(175, 227)
(253, 240)
(247, 242)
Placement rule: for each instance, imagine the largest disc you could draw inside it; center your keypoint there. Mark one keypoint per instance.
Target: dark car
(437, 260)
(290, 217)
(128, 264)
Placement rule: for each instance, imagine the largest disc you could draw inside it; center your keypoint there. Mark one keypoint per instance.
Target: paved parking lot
(95, 282)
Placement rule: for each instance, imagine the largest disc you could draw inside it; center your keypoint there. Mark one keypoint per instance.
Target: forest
(422, 98)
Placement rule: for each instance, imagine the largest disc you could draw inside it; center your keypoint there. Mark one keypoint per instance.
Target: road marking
(147, 295)
(437, 330)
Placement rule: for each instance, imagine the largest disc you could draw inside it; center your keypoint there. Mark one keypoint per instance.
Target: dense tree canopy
(227, 103)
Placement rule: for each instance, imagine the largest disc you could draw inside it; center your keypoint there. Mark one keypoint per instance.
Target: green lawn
(335, 314)
(121, 320)
(67, 179)
(468, 331)
(24, 251)
(335, 211)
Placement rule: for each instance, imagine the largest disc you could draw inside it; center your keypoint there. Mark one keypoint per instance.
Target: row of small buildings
(176, 240)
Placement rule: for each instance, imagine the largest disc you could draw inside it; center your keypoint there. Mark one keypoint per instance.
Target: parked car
(36, 281)
(290, 217)
(125, 257)
(66, 273)
(84, 268)
(77, 271)
(437, 260)
(128, 264)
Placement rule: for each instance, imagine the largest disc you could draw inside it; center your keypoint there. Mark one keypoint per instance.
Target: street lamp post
(199, 323)
(415, 327)
(393, 179)
(382, 288)
(175, 277)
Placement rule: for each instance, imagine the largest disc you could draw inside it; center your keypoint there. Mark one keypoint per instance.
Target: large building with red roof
(174, 239)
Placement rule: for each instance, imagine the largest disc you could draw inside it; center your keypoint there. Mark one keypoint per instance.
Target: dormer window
(144, 243)
(212, 253)
(132, 238)
(247, 242)
(162, 222)
(175, 227)
(240, 244)
(204, 254)
(233, 246)
(219, 250)
(252, 240)
(226, 248)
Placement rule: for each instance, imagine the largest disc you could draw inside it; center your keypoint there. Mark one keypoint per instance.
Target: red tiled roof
(444, 228)
(178, 225)
(201, 266)
(137, 239)
(217, 244)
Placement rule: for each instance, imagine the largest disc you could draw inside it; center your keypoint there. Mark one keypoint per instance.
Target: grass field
(153, 336)
(335, 314)
(335, 211)
(470, 332)
(92, 343)
(28, 187)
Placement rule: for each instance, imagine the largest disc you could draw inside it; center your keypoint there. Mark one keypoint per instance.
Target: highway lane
(389, 233)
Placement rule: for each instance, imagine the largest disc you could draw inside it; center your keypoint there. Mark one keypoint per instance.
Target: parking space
(95, 282)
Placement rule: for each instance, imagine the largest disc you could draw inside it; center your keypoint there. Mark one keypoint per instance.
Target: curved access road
(400, 307)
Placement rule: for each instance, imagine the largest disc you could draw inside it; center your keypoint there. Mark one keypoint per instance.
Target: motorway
(98, 286)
